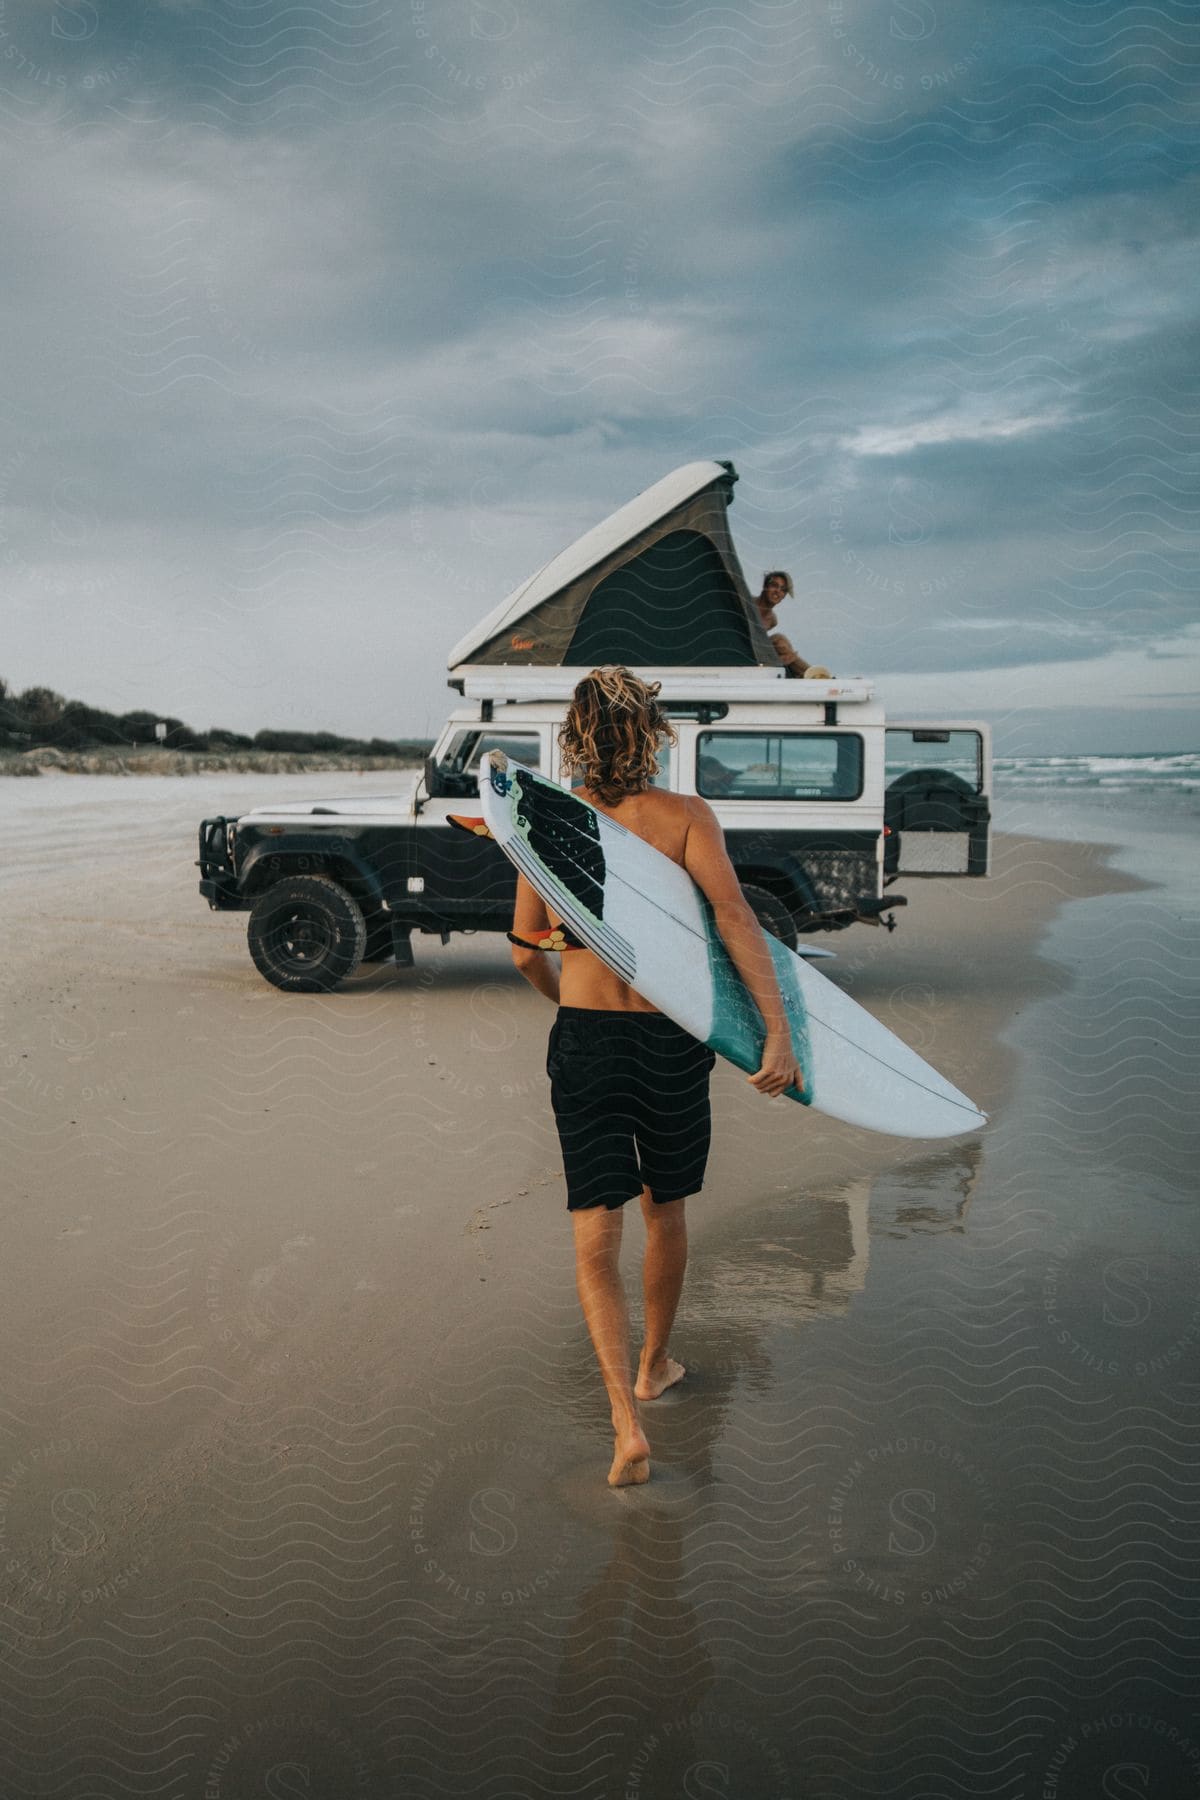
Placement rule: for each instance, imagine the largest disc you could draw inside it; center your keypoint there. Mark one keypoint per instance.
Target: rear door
(937, 805)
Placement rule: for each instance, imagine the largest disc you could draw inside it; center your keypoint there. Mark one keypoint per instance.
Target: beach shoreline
(298, 1306)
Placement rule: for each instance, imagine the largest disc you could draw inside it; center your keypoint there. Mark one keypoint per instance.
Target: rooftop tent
(658, 582)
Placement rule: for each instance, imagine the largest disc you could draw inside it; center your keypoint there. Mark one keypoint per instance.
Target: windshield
(469, 747)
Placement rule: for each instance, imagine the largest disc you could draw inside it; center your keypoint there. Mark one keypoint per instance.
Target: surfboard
(646, 918)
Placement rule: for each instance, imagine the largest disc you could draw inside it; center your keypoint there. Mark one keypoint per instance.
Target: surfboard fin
(556, 938)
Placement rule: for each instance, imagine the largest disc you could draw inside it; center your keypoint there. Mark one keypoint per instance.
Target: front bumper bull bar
(218, 877)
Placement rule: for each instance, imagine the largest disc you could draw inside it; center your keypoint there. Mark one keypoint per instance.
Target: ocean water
(1155, 772)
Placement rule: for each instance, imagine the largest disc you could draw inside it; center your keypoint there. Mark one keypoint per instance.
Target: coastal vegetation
(41, 729)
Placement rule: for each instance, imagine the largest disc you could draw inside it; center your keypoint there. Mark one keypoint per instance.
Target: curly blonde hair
(612, 732)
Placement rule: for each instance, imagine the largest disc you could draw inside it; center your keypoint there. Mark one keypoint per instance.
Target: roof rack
(505, 682)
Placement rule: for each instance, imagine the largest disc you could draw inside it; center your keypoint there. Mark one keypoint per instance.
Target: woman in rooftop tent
(776, 587)
(628, 1086)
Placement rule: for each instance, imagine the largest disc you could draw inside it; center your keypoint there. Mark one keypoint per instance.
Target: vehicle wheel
(771, 913)
(306, 934)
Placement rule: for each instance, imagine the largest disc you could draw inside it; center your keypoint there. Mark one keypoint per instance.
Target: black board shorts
(627, 1086)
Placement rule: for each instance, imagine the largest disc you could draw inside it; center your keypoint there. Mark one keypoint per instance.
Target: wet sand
(302, 1444)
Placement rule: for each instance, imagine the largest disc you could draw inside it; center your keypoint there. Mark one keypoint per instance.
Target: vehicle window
(473, 746)
(925, 747)
(453, 755)
(527, 750)
(661, 780)
(779, 765)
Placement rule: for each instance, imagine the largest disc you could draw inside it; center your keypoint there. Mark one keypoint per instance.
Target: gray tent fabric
(674, 594)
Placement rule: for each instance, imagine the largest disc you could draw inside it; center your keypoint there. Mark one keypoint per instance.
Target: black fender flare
(312, 853)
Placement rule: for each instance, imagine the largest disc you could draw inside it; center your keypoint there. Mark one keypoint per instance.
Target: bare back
(684, 828)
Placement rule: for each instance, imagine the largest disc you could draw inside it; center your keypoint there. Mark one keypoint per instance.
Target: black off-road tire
(771, 913)
(306, 934)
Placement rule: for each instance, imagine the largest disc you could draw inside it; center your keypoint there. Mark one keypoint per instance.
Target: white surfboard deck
(648, 921)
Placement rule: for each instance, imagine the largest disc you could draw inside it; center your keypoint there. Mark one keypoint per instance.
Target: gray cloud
(317, 342)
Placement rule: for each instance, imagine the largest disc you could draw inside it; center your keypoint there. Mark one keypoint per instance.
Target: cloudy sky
(326, 324)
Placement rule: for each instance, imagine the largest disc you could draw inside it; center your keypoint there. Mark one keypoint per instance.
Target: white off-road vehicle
(823, 800)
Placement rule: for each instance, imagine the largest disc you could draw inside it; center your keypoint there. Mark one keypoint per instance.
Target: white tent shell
(662, 571)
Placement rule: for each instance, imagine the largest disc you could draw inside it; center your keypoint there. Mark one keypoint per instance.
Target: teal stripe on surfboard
(737, 1030)
(737, 1025)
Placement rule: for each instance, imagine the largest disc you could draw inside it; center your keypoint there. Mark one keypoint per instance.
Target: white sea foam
(1176, 772)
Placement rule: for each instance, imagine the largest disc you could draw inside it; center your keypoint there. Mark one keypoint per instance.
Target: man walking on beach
(629, 1087)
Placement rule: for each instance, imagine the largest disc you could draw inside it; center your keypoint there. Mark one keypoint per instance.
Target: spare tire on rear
(306, 934)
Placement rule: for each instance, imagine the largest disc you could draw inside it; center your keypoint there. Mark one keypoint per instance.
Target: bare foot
(631, 1457)
(655, 1378)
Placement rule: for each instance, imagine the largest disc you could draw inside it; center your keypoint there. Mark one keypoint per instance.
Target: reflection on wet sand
(805, 1260)
(664, 1610)
(643, 1654)
(932, 1194)
(637, 1611)
(806, 1257)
